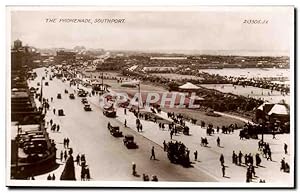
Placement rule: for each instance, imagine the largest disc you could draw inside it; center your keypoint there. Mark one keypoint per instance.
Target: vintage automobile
(109, 113)
(38, 84)
(87, 107)
(178, 154)
(66, 91)
(84, 101)
(82, 93)
(129, 142)
(61, 112)
(46, 84)
(72, 96)
(114, 130)
(59, 96)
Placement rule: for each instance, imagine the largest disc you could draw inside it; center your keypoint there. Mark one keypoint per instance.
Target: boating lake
(250, 72)
(250, 91)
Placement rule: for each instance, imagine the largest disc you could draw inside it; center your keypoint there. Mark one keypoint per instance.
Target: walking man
(196, 155)
(218, 142)
(125, 123)
(152, 153)
(285, 148)
(165, 145)
(133, 169)
(171, 133)
(222, 160)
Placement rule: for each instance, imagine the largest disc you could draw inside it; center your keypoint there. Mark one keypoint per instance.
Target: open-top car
(72, 96)
(59, 96)
(129, 142)
(82, 93)
(87, 107)
(114, 130)
(84, 101)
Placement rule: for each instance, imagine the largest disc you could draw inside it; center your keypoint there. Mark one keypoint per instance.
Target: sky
(162, 29)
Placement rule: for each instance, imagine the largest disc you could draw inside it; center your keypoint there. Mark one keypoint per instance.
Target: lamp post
(139, 90)
(41, 95)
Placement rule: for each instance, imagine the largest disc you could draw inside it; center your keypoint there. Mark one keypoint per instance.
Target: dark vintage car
(61, 112)
(59, 96)
(46, 84)
(84, 101)
(82, 93)
(72, 96)
(38, 84)
(114, 130)
(129, 142)
(87, 107)
(110, 113)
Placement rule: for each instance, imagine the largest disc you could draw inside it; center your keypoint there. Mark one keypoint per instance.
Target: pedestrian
(222, 159)
(165, 145)
(49, 177)
(240, 157)
(274, 137)
(53, 177)
(67, 142)
(51, 99)
(54, 111)
(282, 164)
(257, 159)
(64, 142)
(218, 142)
(285, 148)
(152, 153)
(269, 155)
(57, 128)
(223, 170)
(51, 122)
(196, 155)
(61, 155)
(125, 111)
(125, 123)
(133, 169)
(78, 159)
(171, 133)
(233, 157)
(218, 128)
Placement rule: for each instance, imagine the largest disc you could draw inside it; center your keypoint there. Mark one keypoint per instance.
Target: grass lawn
(200, 116)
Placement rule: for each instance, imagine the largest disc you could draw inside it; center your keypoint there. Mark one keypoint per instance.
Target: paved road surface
(107, 157)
